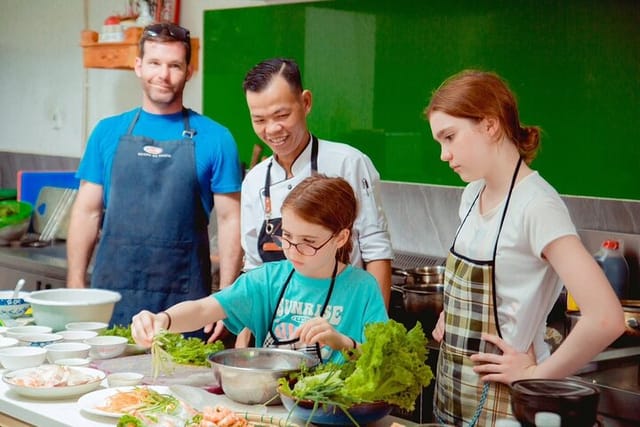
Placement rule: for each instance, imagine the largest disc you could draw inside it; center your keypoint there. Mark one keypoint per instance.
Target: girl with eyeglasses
(314, 301)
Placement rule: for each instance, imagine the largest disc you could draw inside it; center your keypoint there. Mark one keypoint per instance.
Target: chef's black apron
(269, 251)
(154, 247)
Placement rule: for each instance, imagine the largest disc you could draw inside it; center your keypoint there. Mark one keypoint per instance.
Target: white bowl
(57, 307)
(8, 342)
(106, 346)
(16, 331)
(123, 379)
(22, 357)
(74, 361)
(66, 350)
(96, 327)
(39, 340)
(76, 336)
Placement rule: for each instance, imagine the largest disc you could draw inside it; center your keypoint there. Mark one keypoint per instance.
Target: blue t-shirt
(216, 153)
(253, 298)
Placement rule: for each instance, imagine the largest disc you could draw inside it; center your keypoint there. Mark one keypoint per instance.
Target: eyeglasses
(172, 30)
(302, 248)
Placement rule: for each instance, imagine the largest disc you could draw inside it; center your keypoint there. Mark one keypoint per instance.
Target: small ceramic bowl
(12, 308)
(39, 340)
(22, 357)
(122, 379)
(87, 326)
(8, 342)
(106, 346)
(74, 361)
(76, 336)
(66, 350)
(16, 331)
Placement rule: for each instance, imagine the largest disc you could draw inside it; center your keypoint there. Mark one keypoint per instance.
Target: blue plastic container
(612, 261)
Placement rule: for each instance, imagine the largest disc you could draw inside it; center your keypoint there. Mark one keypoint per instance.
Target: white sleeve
(250, 224)
(370, 228)
(547, 219)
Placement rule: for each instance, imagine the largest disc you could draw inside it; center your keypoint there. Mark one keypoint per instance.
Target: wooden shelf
(119, 55)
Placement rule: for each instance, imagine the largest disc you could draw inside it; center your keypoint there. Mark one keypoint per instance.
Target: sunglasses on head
(175, 31)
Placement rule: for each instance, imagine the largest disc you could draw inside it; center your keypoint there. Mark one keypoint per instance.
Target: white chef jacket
(370, 234)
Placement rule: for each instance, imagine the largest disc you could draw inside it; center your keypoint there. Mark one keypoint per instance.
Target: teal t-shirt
(251, 301)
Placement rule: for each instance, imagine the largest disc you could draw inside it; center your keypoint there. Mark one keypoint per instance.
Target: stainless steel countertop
(48, 260)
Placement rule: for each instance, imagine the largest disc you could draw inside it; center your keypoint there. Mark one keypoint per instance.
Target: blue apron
(154, 247)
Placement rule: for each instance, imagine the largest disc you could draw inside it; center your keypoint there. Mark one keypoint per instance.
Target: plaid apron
(461, 398)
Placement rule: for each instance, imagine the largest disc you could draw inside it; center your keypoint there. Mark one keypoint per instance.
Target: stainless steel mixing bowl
(250, 375)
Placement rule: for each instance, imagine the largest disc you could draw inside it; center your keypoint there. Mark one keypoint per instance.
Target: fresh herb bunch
(189, 351)
(168, 348)
(161, 360)
(184, 351)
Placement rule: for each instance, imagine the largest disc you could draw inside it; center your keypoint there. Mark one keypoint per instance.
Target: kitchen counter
(42, 268)
(47, 259)
(67, 412)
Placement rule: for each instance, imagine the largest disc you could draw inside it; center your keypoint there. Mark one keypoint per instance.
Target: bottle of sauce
(612, 261)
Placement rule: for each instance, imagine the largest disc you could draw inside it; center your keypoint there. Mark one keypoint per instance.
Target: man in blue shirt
(156, 172)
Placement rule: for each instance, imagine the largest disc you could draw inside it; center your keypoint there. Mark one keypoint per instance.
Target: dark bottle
(612, 261)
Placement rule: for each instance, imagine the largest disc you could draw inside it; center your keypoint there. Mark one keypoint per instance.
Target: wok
(423, 298)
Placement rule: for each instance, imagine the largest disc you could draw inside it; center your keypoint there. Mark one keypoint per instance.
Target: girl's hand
(318, 330)
(438, 331)
(507, 367)
(145, 325)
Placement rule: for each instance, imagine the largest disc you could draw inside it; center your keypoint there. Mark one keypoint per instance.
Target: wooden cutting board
(197, 376)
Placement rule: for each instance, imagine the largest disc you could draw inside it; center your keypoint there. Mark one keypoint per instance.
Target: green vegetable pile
(389, 366)
(184, 351)
(6, 211)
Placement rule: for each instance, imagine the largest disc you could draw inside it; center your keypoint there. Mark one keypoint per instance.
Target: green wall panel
(372, 65)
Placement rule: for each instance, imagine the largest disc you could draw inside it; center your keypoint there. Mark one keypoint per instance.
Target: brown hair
(166, 32)
(329, 202)
(476, 95)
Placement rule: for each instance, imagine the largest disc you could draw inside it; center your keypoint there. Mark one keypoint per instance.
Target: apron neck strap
(267, 177)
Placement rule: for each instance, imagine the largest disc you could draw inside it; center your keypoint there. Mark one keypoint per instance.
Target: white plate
(92, 401)
(54, 392)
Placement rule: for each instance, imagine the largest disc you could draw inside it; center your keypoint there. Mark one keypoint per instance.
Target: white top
(527, 286)
(371, 237)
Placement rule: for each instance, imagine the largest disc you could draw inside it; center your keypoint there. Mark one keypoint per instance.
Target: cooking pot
(433, 274)
(423, 298)
(575, 401)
